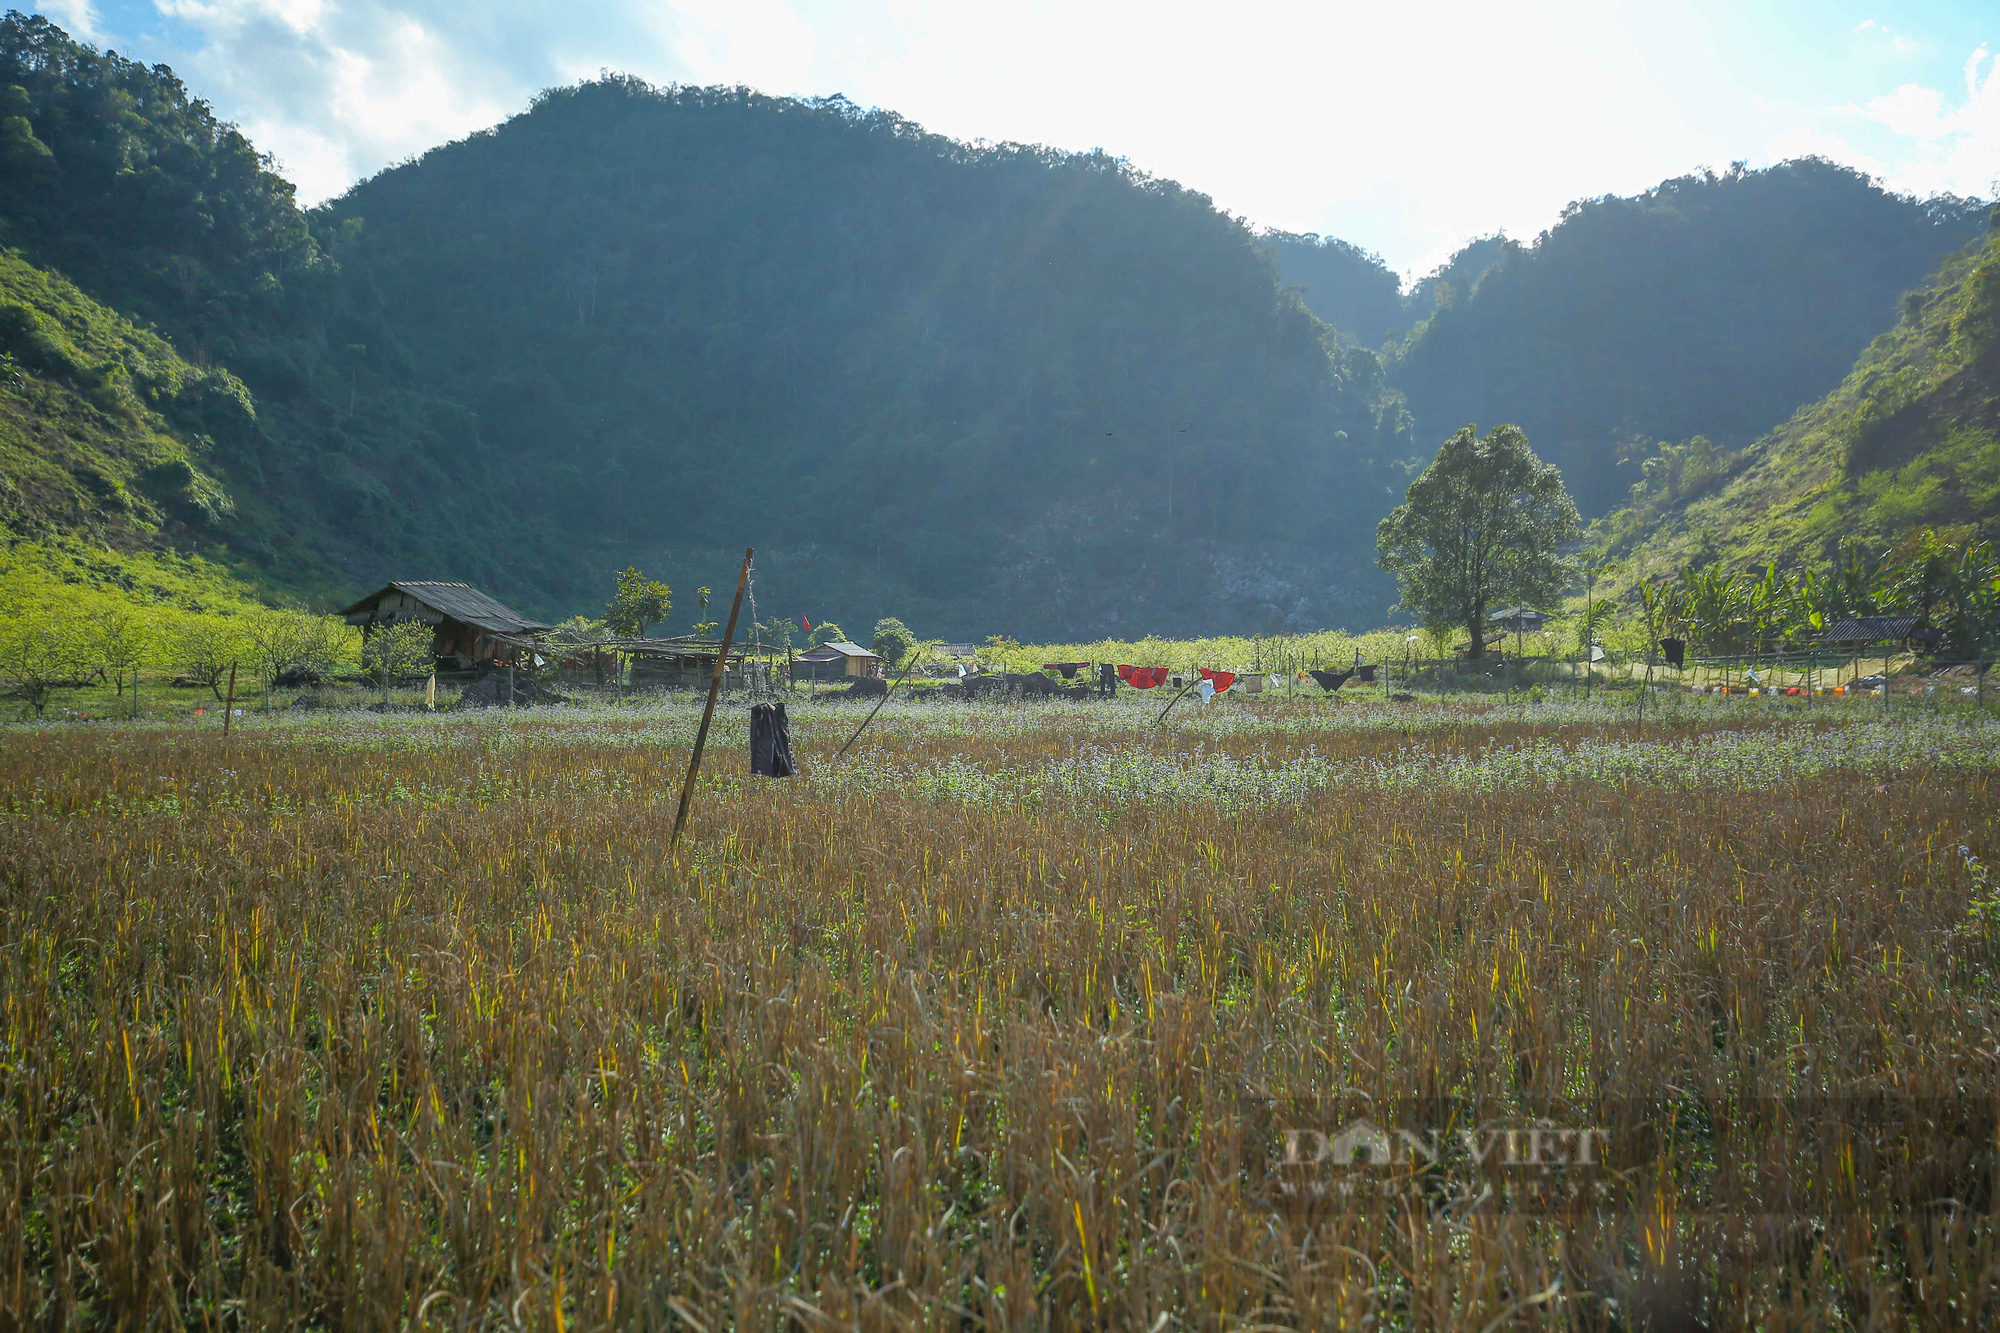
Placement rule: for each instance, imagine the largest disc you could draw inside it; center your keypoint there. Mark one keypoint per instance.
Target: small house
(835, 661)
(469, 628)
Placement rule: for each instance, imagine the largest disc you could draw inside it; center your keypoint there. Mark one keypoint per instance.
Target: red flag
(809, 623)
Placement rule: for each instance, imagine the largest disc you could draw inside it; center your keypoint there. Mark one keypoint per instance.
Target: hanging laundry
(1275, 681)
(1331, 680)
(1220, 680)
(1068, 669)
(770, 742)
(1206, 689)
(1107, 678)
(1597, 652)
(1675, 649)
(1252, 685)
(1366, 671)
(1142, 678)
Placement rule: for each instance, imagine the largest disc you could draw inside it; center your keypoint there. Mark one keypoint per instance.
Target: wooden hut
(836, 661)
(470, 629)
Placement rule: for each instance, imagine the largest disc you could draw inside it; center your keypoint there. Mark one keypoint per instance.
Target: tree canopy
(1485, 523)
(638, 602)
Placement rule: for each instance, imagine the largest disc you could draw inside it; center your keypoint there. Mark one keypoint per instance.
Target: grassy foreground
(414, 1020)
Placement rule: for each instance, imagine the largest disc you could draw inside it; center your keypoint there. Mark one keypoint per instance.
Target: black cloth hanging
(1676, 651)
(1331, 680)
(1107, 678)
(771, 742)
(1367, 670)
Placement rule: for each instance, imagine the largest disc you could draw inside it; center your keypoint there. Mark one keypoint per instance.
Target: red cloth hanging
(1142, 678)
(1222, 680)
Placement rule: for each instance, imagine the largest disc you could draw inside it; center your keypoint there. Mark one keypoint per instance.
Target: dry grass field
(1010, 1019)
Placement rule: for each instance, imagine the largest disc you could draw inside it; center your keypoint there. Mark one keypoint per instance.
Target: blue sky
(1407, 128)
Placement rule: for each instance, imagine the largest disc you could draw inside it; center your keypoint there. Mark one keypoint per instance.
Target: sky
(1407, 128)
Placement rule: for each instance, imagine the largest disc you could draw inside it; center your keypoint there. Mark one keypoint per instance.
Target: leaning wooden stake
(1176, 699)
(714, 688)
(229, 708)
(876, 709)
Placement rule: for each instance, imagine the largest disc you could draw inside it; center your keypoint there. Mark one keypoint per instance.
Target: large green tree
(638, 602)
(1485, 523)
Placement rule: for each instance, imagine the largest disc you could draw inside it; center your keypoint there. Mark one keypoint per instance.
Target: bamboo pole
(708, 710)
(1176, 699)
(876, 709)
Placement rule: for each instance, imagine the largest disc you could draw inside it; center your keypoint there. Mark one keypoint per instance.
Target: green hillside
(1910, 439)
(108, 437)
(1712, 305)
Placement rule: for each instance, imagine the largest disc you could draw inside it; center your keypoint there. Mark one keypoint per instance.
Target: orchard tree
(1484, 524)
(399, 648)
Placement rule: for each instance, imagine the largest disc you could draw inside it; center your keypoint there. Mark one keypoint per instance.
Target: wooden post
(877, 708)
(708, 710)
(229, 706)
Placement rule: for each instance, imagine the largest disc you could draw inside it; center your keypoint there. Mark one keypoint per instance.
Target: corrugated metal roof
(459, 601)
(1871, 629)
(826, 652)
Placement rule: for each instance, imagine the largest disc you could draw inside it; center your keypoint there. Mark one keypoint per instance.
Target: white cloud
(1832, 147)
(1955, 147)
(79, 17)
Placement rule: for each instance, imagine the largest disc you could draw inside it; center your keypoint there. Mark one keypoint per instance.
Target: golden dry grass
(418, 1022)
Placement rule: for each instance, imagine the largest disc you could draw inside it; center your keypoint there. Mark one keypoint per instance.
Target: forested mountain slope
(984, 388)
(105, 432)
(991, 385)
(1353, 290)
(1910, 439)
(1342, 284)
(1713, 305)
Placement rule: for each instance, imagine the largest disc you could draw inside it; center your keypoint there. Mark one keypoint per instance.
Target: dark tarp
(771, 742)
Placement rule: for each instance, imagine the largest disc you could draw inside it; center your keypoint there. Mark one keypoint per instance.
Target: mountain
(986, 389)
(1353, 290)
(1713, 305)
(1910, 439)
(1343, 285)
